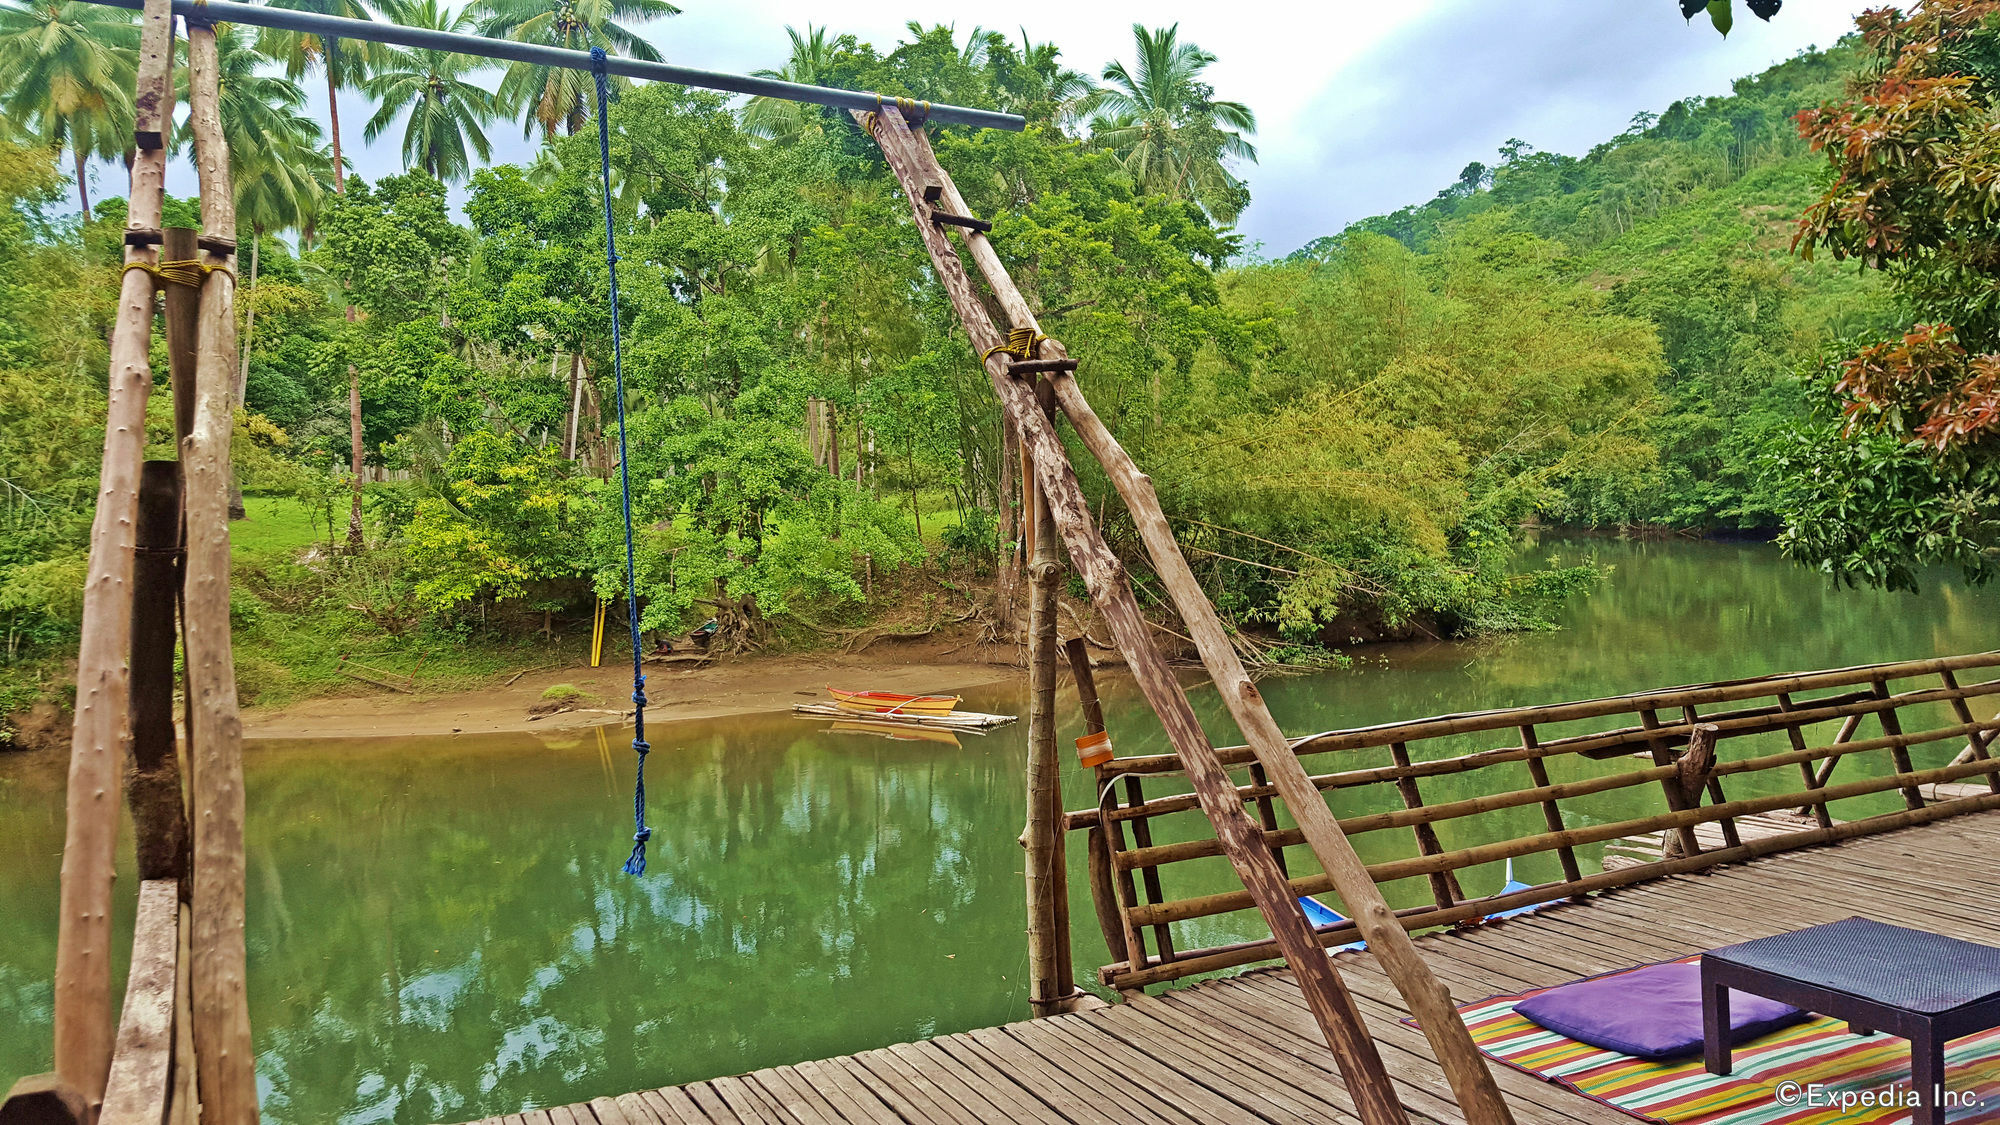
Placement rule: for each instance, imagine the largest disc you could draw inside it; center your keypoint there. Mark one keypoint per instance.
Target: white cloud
(1363, 105)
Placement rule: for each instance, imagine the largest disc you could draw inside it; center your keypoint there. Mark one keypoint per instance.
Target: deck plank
(1244, 1048)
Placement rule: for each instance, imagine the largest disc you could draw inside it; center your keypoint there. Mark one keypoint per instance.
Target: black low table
(1924, 987)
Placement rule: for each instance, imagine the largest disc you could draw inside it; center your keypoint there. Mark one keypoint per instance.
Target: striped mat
(1790, 1062)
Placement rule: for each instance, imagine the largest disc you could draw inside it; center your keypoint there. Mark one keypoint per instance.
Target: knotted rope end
(635, 864)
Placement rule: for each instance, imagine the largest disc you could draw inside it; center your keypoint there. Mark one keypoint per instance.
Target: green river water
(438, 930)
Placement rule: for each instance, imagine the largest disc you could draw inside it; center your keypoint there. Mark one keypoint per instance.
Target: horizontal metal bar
(506, 50)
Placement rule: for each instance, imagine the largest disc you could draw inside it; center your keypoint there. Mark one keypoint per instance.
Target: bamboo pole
(159, 810)
(225, 1066)
(1326, 995)
(1899, 753)
(1049, 992)
(82, 987)
(1538, 772)
(1428, 999)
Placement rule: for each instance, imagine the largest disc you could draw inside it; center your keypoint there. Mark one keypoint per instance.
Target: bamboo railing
(1783, 737)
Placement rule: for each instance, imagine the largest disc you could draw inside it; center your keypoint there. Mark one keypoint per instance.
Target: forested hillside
(1349, 441)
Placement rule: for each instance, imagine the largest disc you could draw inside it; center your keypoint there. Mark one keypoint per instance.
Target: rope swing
(636, 864)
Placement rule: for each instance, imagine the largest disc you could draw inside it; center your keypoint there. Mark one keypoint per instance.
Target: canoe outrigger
(893, 703)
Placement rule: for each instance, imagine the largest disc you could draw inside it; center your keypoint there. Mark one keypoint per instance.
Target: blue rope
(636, 864)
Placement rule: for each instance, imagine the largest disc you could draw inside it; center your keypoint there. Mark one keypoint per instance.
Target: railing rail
(1693, 753)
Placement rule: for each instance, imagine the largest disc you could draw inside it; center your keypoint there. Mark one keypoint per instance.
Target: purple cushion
(1652, 1013)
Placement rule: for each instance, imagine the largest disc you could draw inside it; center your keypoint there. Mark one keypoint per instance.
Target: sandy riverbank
(736, 687)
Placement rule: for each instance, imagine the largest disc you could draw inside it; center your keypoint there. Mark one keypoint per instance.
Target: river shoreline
(675, 693)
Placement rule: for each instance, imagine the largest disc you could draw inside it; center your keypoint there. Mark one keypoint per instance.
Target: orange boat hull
(893, 703)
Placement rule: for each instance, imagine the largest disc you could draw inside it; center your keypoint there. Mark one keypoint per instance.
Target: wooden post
(1445, 890)
(44, 1099)
(1899, 754)
(1430, 1002)
(1684, 837)
(1976, 744)
(1538, 772)
(103, 722)
(225, 1066)
(1049, 992)
(1326, 995)
(1103, 894)
(181, 312)
(159, 813)
(1798, 740)
(1697, 766)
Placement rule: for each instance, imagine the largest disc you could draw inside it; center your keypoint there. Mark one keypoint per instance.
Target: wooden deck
(1245, 1049)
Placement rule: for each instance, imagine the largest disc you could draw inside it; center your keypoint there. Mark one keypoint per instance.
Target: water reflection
(439, 930)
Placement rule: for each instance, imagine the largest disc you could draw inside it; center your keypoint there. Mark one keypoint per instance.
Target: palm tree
(344, 62)
(70, 69)
(275, 163)
(1165, 126)
(561, 96)
(780, 119)
(1037, 85)
(447, 113)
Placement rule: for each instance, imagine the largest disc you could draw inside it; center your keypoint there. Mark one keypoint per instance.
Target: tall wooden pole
(103, 732)
(159, 812)
(1332, 1007)
(1427, 997)
(1050, 991)
(225, 1066)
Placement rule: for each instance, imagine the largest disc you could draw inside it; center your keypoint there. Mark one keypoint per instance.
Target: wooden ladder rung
(946, 218)
(1041, 366)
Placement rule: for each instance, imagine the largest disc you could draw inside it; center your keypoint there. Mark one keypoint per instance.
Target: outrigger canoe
(893, 703)
(1322, 915)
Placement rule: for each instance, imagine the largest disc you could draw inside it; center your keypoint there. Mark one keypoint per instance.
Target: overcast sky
(1362, 105)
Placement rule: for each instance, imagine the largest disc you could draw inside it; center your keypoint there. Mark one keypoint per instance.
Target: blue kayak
(1320, 914)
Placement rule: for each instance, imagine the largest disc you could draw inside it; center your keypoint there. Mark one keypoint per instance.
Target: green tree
(1033, 82)
(811, 63)
(70, 69)
(559, 96)
(1910, 153)
(446, 112)
(1167, 128)
(344, 63)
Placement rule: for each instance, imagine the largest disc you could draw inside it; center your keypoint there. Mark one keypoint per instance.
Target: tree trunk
(333, 123)
(575, 405)
(236, 509)
(82, 181)
(1007, 567)
(354, 434)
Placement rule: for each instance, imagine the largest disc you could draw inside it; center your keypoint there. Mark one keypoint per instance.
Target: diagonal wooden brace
(1360, 1063)
(1472, 1083)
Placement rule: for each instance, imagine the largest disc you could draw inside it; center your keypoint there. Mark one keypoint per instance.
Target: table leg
(1927, 1077)
(1715, 1049)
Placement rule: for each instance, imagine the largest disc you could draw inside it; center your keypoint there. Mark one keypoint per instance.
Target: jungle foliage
(1348, 441)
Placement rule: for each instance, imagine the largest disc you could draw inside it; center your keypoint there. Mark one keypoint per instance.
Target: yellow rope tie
(188, 272)
(912, 116)
(1022, 343)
